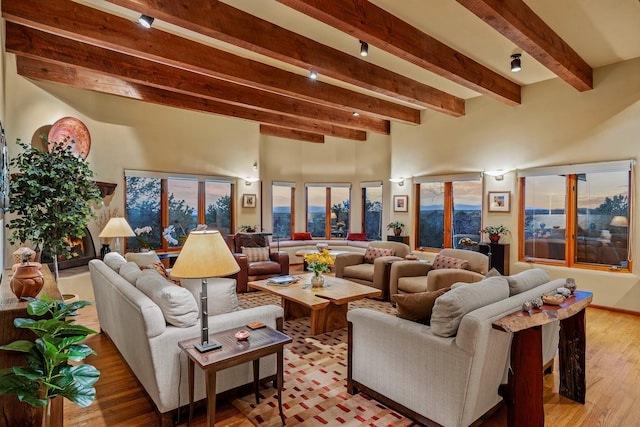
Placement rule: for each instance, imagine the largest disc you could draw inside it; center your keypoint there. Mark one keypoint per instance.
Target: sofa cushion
(373, 252)
(142, 258)
(130, 271)
(221, 294)
(451, 307)
(417, 307)
(161, 269)
(302, 236)
(527, 279)
(357, 236)
(493, 273)
(114, 260)
(177, 304)
(442, 261)
(359, 271)
(256, 254)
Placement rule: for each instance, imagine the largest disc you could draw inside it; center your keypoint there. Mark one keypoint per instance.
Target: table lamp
(204, 254)
(117, 227)
(619, 221)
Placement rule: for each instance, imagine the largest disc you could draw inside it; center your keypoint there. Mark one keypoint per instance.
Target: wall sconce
(516, 65)
(145, 21)
(399, 181)
(498, 174)
(249, 180)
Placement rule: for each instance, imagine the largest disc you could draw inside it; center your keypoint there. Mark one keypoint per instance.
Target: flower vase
(317, 280)
(494, 238)
(27, 281)
(397, 231)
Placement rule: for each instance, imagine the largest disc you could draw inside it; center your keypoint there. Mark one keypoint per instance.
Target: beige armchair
(352, 266)
(418, 276)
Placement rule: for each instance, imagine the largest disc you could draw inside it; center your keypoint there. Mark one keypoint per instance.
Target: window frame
(363, 193)
(292, 221)
(327, 224)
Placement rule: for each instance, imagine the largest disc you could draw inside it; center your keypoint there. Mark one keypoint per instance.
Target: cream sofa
(138, 327)
(443, 373)
(292, 246)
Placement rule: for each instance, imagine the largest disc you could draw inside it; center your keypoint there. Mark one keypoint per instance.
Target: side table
(523, 392)
(262, 342)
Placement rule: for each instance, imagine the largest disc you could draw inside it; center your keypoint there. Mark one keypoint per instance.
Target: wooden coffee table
(327, 307)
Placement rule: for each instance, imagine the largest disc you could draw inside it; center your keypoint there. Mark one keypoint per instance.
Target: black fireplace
(83, 251)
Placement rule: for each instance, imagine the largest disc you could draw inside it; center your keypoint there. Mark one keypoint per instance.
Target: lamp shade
(619, 221)
(117, 227)
(204, 254)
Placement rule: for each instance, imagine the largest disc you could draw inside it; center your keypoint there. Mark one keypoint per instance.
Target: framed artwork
(248, 200)
(499, 201)
(401, 203)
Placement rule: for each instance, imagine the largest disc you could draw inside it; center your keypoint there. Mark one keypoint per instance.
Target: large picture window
(328, 207)
(450, 208)
(372, 210)
(282, 205)
(171, 205)
(577, 215)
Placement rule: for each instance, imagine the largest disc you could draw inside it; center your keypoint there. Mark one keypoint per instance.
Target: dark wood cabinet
(498, 254)
(401, 239)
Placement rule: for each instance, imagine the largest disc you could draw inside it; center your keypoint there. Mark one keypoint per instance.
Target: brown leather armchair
(276, 265)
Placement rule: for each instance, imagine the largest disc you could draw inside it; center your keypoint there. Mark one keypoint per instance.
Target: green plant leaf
(79, 393)
(21, 345)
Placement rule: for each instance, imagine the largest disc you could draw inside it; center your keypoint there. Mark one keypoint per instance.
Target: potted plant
(396, 226)
(495, 232)
(50, 194)
(48, 373)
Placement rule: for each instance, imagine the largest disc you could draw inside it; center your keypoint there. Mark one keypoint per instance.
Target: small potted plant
(495, 232)
(48, 373)
(396, 226)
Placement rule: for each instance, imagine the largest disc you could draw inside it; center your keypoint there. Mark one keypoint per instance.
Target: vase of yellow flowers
(318, 262)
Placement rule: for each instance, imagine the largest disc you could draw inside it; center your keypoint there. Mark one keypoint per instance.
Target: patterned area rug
(315, 371)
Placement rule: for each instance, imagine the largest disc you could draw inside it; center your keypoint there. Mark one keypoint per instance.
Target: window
(162, 201)
(328, 207)
(372, 210)
(450, 208)
(282, 205)
(577, 215)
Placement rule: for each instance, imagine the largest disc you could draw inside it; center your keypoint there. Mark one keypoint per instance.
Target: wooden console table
(523, 392)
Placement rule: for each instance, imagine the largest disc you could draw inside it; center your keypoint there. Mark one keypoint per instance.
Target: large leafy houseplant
(48, 373)
(50, 194)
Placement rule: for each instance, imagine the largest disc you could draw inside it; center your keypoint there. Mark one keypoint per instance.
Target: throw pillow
(451, 307)
(114, 260)
(221, 294)
(493, 273)
(142, 258)
(130, 271)
(526, 280)
(302, 236)
(256, 254)
(360, 237)
(372, 253)
(442, 261)
(178, 306)
(417, 307)
(160, 268)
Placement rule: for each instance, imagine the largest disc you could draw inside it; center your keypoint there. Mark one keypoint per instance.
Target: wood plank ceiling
(74, 44)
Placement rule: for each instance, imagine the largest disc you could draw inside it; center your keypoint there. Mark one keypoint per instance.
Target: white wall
(555, 125)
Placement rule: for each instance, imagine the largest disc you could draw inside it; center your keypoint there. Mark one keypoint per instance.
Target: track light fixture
(364, 48)
(313, 75)
(516, 65)
(145, 21)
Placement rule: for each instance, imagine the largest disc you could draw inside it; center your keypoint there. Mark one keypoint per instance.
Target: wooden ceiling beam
(517, 22)
(378, 27)
(85, 79)
(224, 22)
(38, 44)
(89, 25)
(291, 134)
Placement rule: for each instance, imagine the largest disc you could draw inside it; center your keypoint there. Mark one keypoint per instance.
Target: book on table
(283, 280)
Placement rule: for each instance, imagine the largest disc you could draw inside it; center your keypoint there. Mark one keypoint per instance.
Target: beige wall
(555, 125)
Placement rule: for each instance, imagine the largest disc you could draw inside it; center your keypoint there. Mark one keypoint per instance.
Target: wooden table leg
(211, 397)
(523, 392)
(190, 369)
(571, 357)
(280, 380)
(256, 379)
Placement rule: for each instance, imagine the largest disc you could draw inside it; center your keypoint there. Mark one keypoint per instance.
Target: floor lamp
(116, 227)
(204, 254)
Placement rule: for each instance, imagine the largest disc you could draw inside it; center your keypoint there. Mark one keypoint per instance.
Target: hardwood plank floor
(613, 381)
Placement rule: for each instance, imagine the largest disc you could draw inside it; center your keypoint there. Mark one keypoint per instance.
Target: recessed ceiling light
(313, 75)
(145, 21)
(516, 64)
(355, 114)
(364, 48)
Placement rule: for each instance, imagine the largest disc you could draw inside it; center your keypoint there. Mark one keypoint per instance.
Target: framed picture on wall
(401, 203)
(248, 200)
(499, 201)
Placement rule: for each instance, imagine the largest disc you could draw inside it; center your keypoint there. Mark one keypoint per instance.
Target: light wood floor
(613, 383)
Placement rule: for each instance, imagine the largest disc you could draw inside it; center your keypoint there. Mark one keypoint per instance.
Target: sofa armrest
(381, 266)
(281, 258)
(345, 260)
(406, 269)
(242, 276)
(445, 277)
